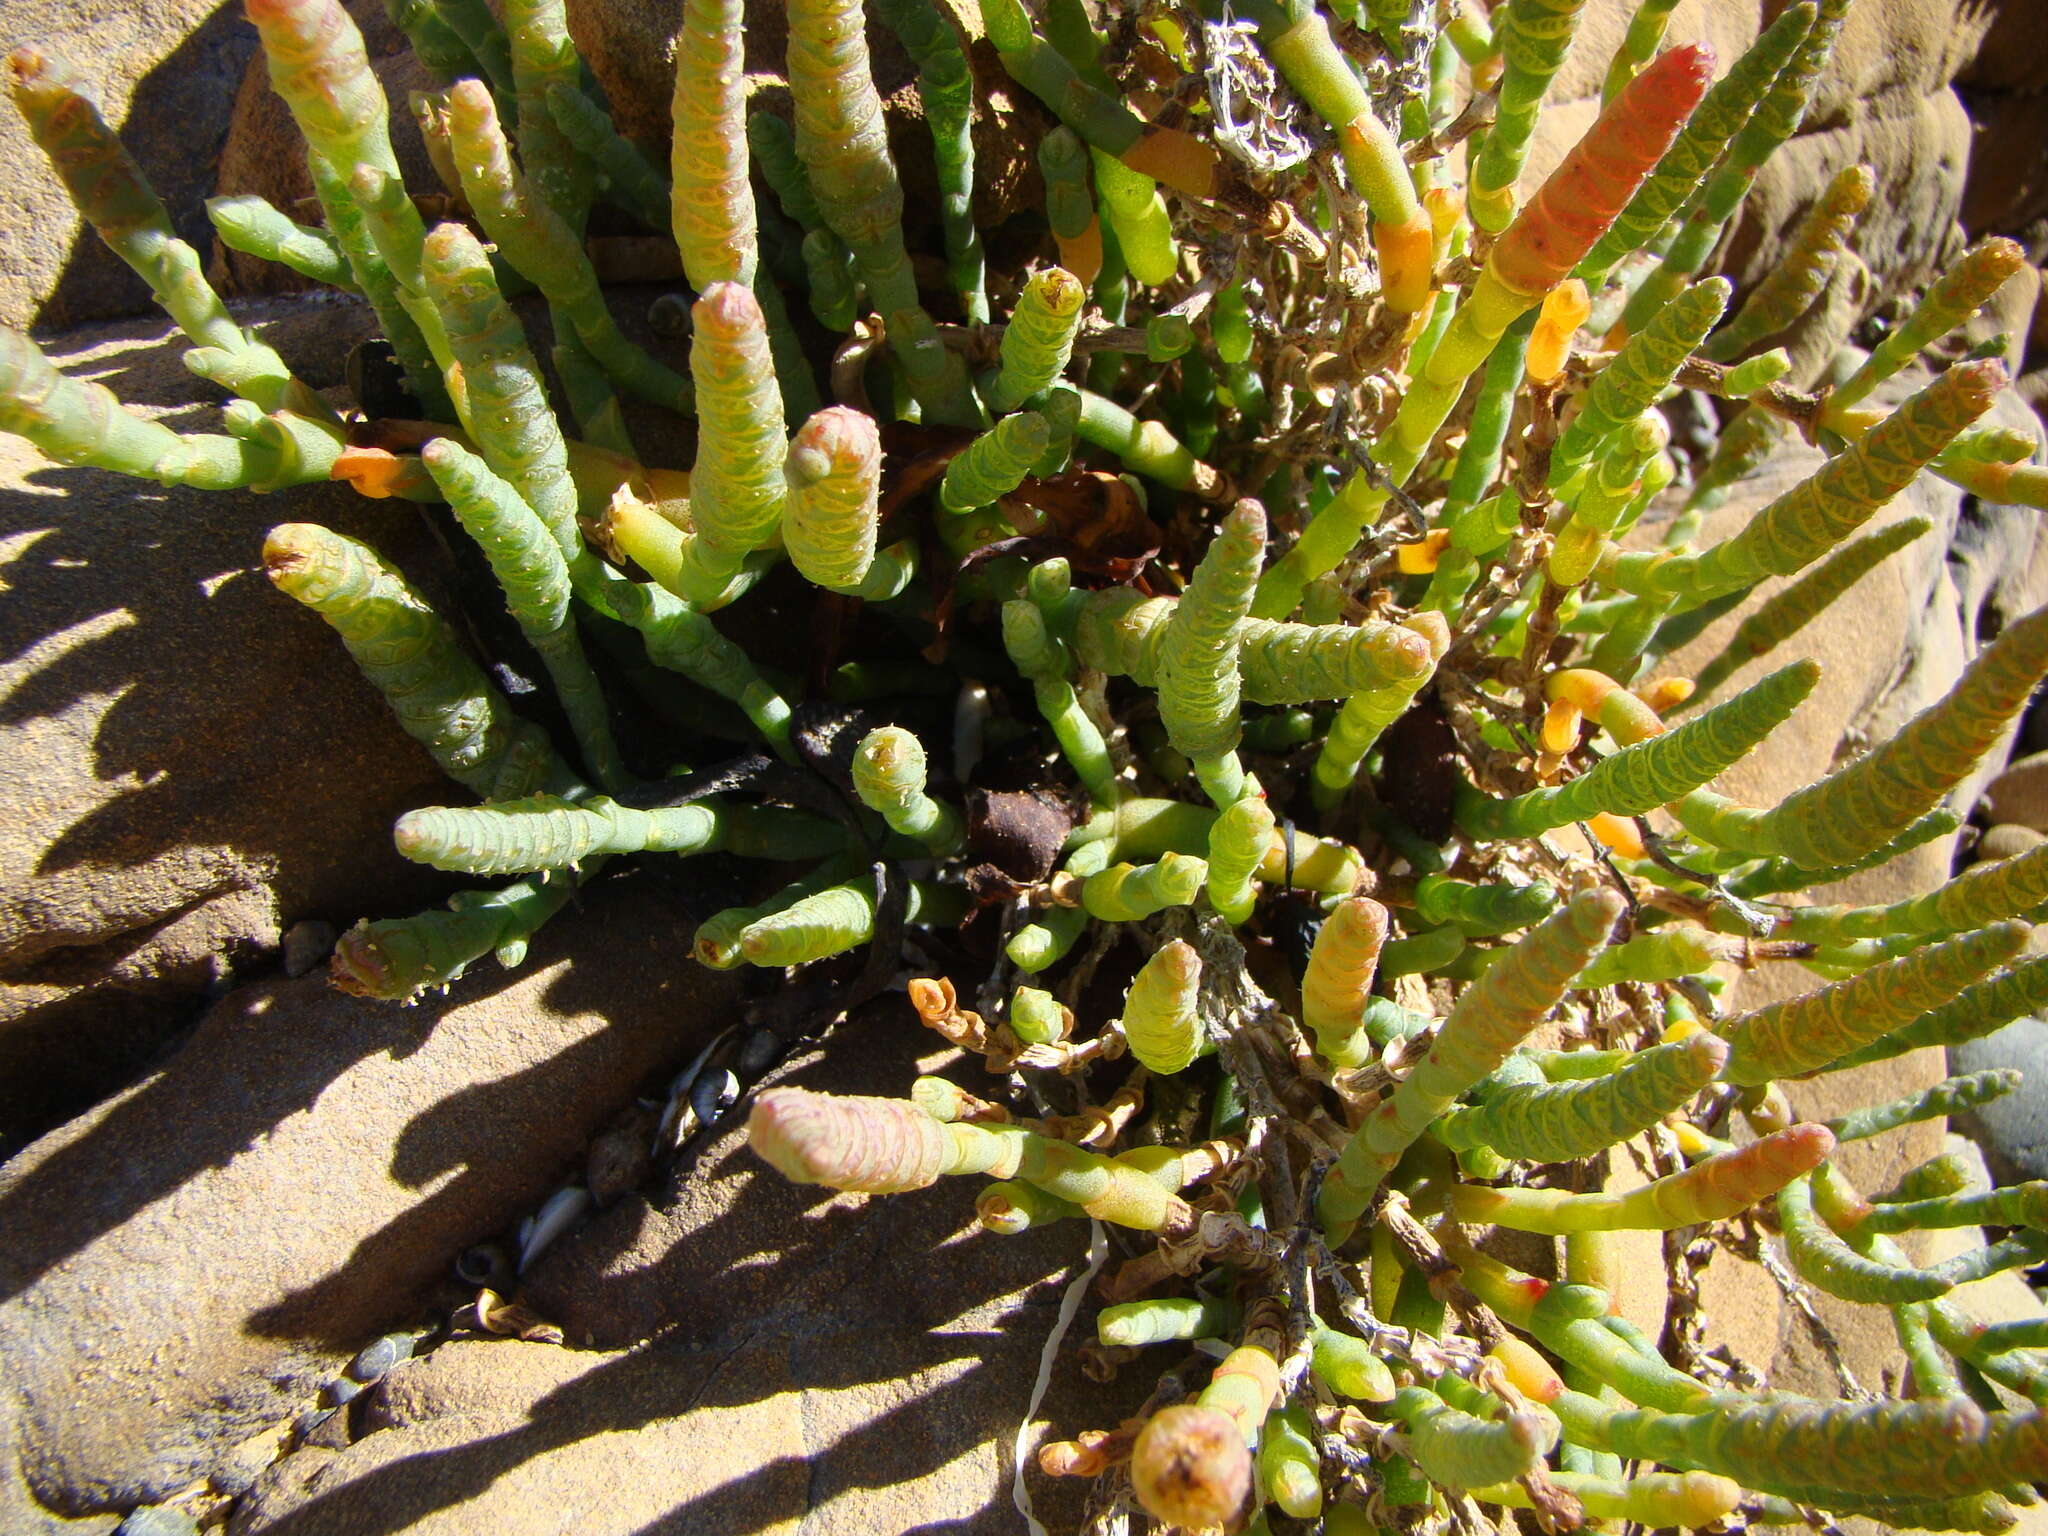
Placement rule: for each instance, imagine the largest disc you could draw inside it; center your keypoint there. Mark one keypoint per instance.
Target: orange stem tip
(1420, 558)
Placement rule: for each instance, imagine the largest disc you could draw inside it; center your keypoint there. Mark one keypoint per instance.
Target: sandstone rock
(1884, 99)
(1932, 601)
(2013, 55)
(167, 79)
(187, 1263)
(169, 817)
(2008, 187)
(2006, 841)
(839, 1363)
(164, 75)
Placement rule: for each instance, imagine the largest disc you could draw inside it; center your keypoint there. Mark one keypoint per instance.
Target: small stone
(373, 1360)
(158, 1520)
(340, 1392)
(2009, 840)
(487, 1265)
(276, 1087)
(331, 1430)
(306, 944)
(762, 1049)
(619, 1158)
(2013, 1131)
(2020, 794)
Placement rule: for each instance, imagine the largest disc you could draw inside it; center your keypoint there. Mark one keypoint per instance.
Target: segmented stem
(1820, 512)
(1161, 1019)
(834, 478)
(1718, 1187)
(1556, 1122)
(1653, 772)
(711, 207)
(1800, 1035)
(534, 575)
(1492, 1017)
(441, 697)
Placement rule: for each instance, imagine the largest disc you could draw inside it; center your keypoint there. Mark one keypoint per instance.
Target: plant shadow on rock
(204, 795)
(899, 1337)
(176, 123)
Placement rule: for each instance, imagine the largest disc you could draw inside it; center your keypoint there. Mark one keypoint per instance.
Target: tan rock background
(188, 1260)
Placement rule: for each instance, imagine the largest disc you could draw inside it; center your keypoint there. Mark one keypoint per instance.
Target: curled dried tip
(290, 547)
(999, 1213)
(1089, 1456)
(1190, 1467)
(360, 967)
(838, 439)
(727, 309)
(933, 998)
(1059, 291)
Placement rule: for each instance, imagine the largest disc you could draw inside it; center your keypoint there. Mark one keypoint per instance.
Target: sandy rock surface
(192, 762)
(188, 1262)
(818, 1362)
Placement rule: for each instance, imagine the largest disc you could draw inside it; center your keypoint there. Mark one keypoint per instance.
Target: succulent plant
(1287, 528)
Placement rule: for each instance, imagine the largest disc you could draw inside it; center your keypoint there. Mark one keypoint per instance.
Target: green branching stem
(1654, 772)
(1490, 1019)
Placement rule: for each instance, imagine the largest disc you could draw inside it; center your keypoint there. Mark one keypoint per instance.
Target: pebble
(2008, 840)
(2013, 1131)
(378, 1357)
(307, 944)
(2020, 794)
(158, 1520)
